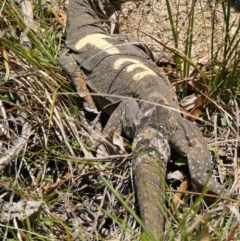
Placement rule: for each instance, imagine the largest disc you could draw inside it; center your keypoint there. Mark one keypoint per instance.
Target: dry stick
(236, 181)
(13, 152)
(204, 195)
(6, 65)
(26, 6)
(202, 218)
(100, 207)
(26, 131)
(216, 145)
(236, 226)
(94, 159)
(2, 7)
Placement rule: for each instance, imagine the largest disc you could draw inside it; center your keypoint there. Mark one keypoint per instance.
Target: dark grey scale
(236, 5)
(127, 39)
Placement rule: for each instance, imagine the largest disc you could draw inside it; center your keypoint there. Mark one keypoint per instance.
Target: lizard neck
(82, 21)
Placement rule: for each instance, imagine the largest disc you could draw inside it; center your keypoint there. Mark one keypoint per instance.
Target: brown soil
(151, 17)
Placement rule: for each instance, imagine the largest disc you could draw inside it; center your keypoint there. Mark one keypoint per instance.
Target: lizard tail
(152, 153)
(151, 197)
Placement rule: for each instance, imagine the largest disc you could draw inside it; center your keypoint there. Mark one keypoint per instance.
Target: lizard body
(114, 66)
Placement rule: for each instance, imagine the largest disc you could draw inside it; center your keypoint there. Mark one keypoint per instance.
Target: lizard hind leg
(189, 142)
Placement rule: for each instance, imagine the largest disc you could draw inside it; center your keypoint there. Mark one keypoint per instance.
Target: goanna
(114, 66)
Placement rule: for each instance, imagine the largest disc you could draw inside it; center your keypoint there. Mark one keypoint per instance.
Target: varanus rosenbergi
(111, 65)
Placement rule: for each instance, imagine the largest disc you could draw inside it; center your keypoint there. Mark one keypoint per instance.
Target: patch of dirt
(152, 17)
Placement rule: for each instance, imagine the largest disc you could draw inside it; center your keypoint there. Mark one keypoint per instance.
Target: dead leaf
(178, 196)
(20, 210)
(101, 151)
(188, 102)
(60, 16)
(175, 175)
(194, 105)
(195, 112)
(118, 141)
(205, 236)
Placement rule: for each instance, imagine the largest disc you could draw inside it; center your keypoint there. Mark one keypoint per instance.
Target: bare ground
(152, 17)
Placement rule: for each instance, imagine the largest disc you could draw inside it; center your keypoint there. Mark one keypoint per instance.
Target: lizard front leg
(71, 67)
(122, 119)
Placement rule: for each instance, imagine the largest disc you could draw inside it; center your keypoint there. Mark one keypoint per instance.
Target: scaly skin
(113, 65)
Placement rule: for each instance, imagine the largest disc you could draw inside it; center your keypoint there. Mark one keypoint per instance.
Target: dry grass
(90, 198)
